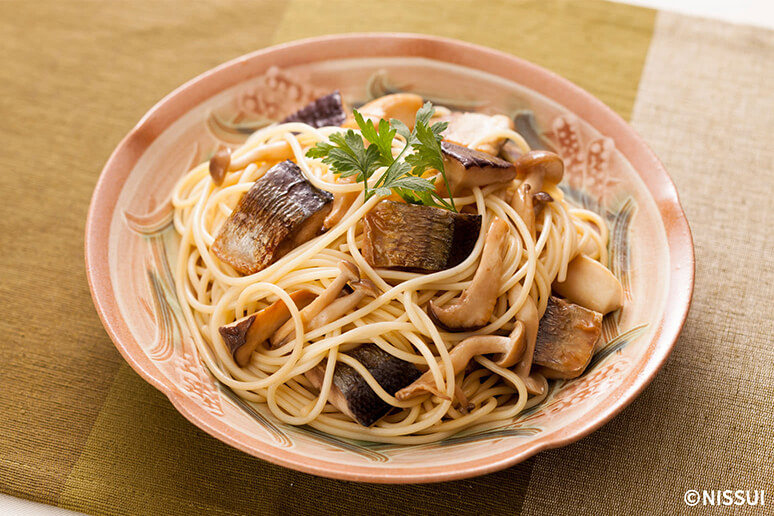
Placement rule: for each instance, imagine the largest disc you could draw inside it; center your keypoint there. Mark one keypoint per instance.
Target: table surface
(81, 430)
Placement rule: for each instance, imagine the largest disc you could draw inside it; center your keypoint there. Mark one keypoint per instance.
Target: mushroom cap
(366, 286)
(219, 164)
(349, 270)
(544, 163)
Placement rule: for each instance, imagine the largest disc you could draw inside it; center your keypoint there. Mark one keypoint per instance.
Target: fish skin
(390, 372)
(420, 238)
(567, 336)
(280, 211)
(325, 111)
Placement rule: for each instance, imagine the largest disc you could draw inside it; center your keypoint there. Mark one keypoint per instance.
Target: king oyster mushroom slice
(467, 128)
(466, 168)
(474, 307)
(591, 285)
(243, 336)
(538, 167)
(348, 272)
(361, 289)
(281, 211)
(402, 106)
(507, 351)
(567, 338)
(528, 316)
(352, 395)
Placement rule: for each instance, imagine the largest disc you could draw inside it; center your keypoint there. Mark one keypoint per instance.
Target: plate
(130, 242)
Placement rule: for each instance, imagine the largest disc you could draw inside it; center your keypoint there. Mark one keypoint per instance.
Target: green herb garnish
(347, 155)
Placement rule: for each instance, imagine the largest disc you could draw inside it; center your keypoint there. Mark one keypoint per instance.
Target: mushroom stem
(348, 272)
(341, 305)
(528, 316)
(590, 285)
(523, 204)
(243, 336)
(403, 106)
(474, 307)
(508, 349)
(341, 204)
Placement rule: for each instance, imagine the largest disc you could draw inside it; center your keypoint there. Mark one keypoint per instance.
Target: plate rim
(658, 183)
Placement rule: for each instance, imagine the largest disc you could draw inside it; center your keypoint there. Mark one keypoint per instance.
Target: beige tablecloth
(79, 429)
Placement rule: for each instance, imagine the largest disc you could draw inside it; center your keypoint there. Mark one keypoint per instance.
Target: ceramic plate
(130, 242)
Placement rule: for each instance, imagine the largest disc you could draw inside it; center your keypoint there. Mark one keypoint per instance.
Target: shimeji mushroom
(591, 285)
(508, 351)
(529, 205)
(348, 272)
(538, 167)
(474, 307)
(219, 164)
(243, 336)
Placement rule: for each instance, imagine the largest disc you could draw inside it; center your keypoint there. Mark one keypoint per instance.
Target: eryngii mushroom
(538, 167)
(466, 168)
(591, 285)
(467, 128)
(402, 106)
(274, 151)
(474, 307)
(244, 335)
(508, 350)
(219, 164)
(528, 316)
(566, 340)
(340, 306)
(348, 272)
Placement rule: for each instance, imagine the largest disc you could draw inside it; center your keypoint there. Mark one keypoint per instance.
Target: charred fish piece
(466, 168)
(351, 394)
(322, 112)
(281, 210)
(566, 340)
(417, 238)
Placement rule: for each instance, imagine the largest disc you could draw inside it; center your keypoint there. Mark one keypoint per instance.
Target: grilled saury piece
(466, 168)
(280, 211)
(322, 112)
(351, 394)
(566, 340)
(420, 238)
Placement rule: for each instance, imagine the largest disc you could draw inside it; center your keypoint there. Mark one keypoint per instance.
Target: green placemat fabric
(80, 429)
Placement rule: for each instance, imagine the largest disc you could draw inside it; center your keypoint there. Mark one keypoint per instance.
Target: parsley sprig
(347, 155)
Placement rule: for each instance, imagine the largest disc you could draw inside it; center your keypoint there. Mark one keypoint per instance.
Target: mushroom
(508, 351)
(529, 205)
(528, 316)
(403, 106)
(474, 307)
(590, 285)
(466, 168)
(467, 128)
(347, 272)
(219, 164)
(361, 290)
(341, 204)
(275, 151)
(538, 167)
(243, 336)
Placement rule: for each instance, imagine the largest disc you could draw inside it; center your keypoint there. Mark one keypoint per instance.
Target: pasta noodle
(213, 294)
